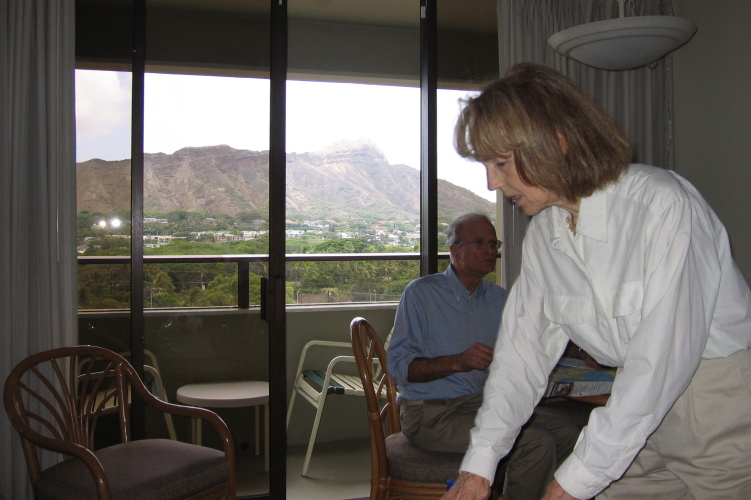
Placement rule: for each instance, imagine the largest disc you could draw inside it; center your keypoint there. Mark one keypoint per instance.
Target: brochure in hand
(572, 377)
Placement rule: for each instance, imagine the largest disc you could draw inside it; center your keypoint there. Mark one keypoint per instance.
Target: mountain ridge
(346, 178)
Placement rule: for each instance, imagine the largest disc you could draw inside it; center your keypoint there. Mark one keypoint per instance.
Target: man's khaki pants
(545, 441)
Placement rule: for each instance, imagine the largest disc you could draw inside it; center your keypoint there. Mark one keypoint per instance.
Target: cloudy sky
(205, 111)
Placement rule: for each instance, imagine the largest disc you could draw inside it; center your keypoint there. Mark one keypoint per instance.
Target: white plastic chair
(315, 385)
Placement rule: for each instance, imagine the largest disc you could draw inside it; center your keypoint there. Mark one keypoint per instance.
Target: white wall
(712, 85)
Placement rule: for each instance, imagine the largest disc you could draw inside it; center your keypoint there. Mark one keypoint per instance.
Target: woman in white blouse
(631, 264)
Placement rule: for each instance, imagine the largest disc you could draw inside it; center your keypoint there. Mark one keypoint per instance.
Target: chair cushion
(410, 463)
(151, 469)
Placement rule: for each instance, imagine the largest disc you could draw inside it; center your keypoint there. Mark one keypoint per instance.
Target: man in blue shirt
(444, 332)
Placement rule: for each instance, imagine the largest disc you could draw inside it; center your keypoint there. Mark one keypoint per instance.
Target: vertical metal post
(137, 323)
(275, 297)
(428, 137)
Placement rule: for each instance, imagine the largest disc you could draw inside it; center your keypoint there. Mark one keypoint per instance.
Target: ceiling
(474, 16)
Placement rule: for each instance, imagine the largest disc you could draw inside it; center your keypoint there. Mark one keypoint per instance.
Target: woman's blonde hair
(560, 140)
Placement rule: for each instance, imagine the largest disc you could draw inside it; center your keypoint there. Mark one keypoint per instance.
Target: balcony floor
(338, 471)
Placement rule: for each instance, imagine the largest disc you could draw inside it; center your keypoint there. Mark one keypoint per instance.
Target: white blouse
(647, 284)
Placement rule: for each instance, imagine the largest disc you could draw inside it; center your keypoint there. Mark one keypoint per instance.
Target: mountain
(348, 178)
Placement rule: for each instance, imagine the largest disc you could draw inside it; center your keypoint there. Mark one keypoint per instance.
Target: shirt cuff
(577, 480)
(480, 461)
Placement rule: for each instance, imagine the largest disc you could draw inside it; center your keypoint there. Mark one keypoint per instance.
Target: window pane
(349, 281)
(353, 147)
(467, 60)
(462, 184)
(103, 153)
(206, 144)
(206, 141)
(103, 124)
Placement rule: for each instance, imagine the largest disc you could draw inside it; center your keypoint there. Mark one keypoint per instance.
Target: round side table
(238, 394)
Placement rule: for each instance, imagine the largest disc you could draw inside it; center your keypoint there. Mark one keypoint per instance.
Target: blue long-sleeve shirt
(437, 317)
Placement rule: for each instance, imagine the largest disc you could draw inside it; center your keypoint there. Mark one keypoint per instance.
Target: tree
(351, 245)
(157, 282)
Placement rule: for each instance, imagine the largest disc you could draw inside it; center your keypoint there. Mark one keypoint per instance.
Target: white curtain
(639, 101)
(37, 197)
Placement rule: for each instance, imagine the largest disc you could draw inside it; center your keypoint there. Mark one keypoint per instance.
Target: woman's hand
(555, 492)
(468, 487)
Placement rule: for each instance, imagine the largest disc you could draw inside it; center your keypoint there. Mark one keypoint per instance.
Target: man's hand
(590, 361)
(468, 487)
(555, 492)
(477, 357)
(575, 351)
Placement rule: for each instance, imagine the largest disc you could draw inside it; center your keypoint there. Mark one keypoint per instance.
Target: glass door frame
(273, 305)
(137, 318)
(273, 295)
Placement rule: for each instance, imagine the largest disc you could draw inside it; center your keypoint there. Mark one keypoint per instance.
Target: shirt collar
(457, 287)
(592, 221)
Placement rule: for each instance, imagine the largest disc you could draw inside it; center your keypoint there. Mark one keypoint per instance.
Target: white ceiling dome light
(625, 42)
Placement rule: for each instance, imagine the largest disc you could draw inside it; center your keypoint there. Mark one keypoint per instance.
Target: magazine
(572, 377)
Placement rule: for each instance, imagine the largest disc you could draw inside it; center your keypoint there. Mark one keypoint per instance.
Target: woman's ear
(563, 142)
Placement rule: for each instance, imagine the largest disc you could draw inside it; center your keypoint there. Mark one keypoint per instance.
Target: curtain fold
(37, 197)
(639, 101)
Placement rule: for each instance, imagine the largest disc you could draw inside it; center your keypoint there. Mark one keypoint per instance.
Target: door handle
(270, 290)
(264, 300)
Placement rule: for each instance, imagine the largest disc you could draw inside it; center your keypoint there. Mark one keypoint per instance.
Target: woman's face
(502, 175)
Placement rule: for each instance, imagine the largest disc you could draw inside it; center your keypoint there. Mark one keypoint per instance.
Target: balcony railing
(243, 262)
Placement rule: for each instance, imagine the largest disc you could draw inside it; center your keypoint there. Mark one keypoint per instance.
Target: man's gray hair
(456, 225)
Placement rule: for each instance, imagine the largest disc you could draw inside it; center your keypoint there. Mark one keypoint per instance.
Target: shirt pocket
(568, 309)
(627, 306)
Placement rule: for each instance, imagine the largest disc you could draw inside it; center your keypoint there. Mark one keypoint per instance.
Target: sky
(188, 110)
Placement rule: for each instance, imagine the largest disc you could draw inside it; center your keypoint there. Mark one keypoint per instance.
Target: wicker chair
(54, 400)
(398, 469)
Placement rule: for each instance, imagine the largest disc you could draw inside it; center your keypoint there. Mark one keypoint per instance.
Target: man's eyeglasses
(494, 244)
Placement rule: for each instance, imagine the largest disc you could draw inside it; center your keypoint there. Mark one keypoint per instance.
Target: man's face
(466, 257)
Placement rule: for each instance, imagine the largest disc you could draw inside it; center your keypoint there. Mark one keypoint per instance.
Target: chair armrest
(345, 359)
(336, 361)
(330, 368)
(186, 411)
(319, 343)
(339, 359)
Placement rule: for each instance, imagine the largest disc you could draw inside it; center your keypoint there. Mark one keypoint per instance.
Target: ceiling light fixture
(625, 42)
